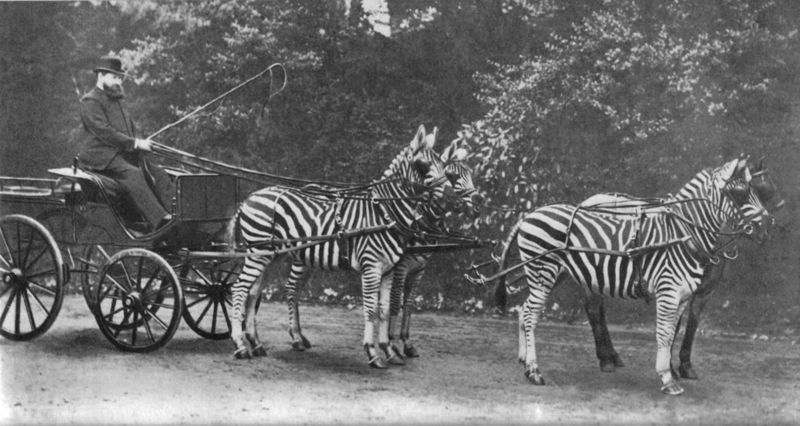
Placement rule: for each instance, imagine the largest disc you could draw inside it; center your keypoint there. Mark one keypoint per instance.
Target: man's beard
(114, 91)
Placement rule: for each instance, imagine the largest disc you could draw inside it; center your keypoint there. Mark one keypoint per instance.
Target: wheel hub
(133, 300)
(14, 277)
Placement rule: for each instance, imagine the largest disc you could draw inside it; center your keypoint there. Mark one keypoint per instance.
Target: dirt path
(467, 373)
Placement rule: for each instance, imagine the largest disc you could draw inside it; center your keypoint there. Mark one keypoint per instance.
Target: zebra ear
(430, 139)
(449, 151)
(725, 173)
(419, 139)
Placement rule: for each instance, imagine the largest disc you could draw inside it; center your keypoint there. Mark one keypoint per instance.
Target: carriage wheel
(33, 277)
(207, 296)
(96, 253)
(138, 301)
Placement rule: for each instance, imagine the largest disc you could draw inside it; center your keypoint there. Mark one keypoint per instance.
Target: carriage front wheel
(138, 301)
(207, 288)
(32, 277)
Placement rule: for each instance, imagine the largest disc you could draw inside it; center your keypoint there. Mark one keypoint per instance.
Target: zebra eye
(422, 167)
(738, 192)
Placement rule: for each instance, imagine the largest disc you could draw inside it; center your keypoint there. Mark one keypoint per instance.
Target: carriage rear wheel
(32, 277)
(138, 301)
(207, 288)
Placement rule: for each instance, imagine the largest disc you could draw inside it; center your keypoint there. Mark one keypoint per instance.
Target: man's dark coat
(106, 132)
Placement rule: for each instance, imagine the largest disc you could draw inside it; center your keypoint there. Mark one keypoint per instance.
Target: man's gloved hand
(143, 145)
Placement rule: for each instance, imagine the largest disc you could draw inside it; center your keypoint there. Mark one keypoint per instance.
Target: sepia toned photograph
(487, 212)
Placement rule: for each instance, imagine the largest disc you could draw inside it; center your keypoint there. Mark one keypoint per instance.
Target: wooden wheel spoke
(134, 320)
(28, 310)
(121, 324)
(225, 314)
(17, 311)
(39, 301)
(41, 287)
(149, 331)
(8, 262)
(202, 276)
(156, 318)
(28, 265)
(214, 317)
(206, 297)
(127, 274)
(6, 290)
(40, 274)
(204, 312)
(116, 283)
(11, 300)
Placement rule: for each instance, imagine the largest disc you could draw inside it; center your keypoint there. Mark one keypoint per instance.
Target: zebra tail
(500, 290)
(232, 231)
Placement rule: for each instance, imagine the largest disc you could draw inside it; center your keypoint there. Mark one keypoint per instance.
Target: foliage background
(558, 101)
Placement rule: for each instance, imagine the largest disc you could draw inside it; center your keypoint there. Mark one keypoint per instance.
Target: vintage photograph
(486, 212)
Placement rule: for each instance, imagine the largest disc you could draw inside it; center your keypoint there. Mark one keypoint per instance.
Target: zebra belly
(614, 276)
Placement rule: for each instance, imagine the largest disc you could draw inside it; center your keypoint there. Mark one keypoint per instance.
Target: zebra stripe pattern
(409, 271)
(595, 310)
(279, 213)
(558, 238)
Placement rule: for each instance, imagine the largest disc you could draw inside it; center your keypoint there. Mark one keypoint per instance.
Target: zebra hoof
(672, 388)
(687, 372)
(410, 351)
(607, 366)
(378, 362)
(306, 343)
(242, 353)
(259, 351)
(298, 346)
(617, 361)
(535, 377)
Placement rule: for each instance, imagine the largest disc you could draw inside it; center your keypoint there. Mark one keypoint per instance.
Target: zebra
(409, 271)
(669, 246)
(414, 185)
(712, 276)
(460, 177)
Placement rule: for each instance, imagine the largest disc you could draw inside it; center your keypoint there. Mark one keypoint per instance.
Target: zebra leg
(370, 291)
(298, 276)
(251, 332)
(669, 307)
(392, 354)
(711, 279)
(251, 271)
(398, 285)
(408, 303)
(596, 312)
(541, 279)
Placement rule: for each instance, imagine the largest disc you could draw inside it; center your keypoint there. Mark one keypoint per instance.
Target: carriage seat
(95, 187)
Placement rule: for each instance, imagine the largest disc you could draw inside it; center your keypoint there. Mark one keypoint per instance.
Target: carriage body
(90, 238)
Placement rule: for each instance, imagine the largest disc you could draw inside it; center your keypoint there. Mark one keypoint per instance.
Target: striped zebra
(712, 276)
(409, 271)
(280, 213)
(662, 252)
(460, 176)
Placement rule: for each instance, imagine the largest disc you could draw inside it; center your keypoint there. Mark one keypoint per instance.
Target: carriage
(75, 227)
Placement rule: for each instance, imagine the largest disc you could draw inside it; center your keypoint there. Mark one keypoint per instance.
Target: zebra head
(734, 184)
(460, 176)
(424, 186)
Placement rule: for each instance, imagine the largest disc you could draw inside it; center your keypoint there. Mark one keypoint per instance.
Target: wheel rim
(207, 296)
(31, 278)
(138, 301)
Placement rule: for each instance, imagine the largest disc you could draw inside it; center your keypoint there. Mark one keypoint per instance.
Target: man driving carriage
(111, 148)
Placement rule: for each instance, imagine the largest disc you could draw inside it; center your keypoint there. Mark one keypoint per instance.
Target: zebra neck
(701, 219)
(396, 203)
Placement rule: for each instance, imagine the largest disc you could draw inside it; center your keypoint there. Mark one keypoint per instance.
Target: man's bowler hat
(110, 64)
